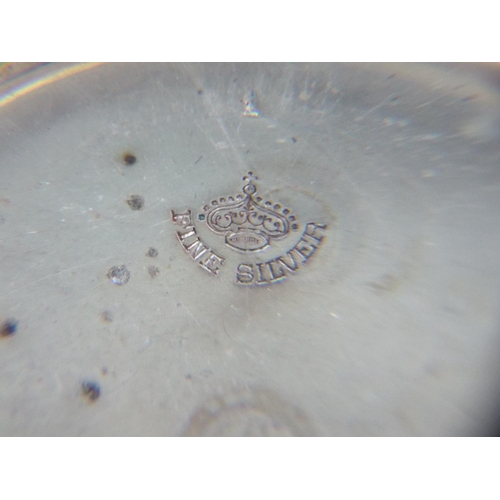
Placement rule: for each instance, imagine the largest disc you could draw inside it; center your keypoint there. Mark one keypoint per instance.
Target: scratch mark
(233, 147)
(54, 274)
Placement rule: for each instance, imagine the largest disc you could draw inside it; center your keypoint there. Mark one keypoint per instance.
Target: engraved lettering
(213, 263)
(190, 231)
(305, 249)
(248, 223)
(244, 274)
(312, 228)
(196, 249)
(261, 280)
(181, 218)
(277, 272)
(289, 261)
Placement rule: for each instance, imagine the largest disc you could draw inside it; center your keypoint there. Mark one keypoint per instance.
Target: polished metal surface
(250, 249)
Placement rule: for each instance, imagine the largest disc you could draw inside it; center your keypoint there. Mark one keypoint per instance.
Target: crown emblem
(247, 222)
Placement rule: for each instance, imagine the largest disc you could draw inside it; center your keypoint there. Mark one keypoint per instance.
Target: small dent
(119, 275)
(129, 159)
(8, 327)
(91, 390)
(153, 271)
(135, 202)
(152, 252)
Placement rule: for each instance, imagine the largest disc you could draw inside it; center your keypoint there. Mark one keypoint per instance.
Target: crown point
(286, 211)
(249, 189)
(250, 177)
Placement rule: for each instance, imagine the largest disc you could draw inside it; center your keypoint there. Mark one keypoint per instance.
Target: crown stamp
(249, 225)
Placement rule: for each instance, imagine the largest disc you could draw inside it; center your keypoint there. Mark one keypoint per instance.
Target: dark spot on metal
(153, 271)
(152, 252)
(129, 159)
(386, 283)
(391, 76)
(119, 275)
(294, 140)
(470, 98)
(200, 91)
(104, 371)
(394, 99)
(9, 327)
(135, 202)
(107, 316)
(201, 216)
(91, 390)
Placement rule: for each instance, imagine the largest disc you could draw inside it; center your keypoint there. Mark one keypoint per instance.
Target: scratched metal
(389, 323)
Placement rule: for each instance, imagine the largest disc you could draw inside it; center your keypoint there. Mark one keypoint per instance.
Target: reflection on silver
(249, 100)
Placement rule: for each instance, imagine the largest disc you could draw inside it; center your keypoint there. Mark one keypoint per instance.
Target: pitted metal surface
(377, 306)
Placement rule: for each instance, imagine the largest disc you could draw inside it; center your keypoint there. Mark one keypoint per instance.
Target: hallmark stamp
(193, 246)
(278, 269)
(249, 225)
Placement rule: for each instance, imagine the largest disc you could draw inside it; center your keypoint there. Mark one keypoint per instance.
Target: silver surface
(390, 329)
